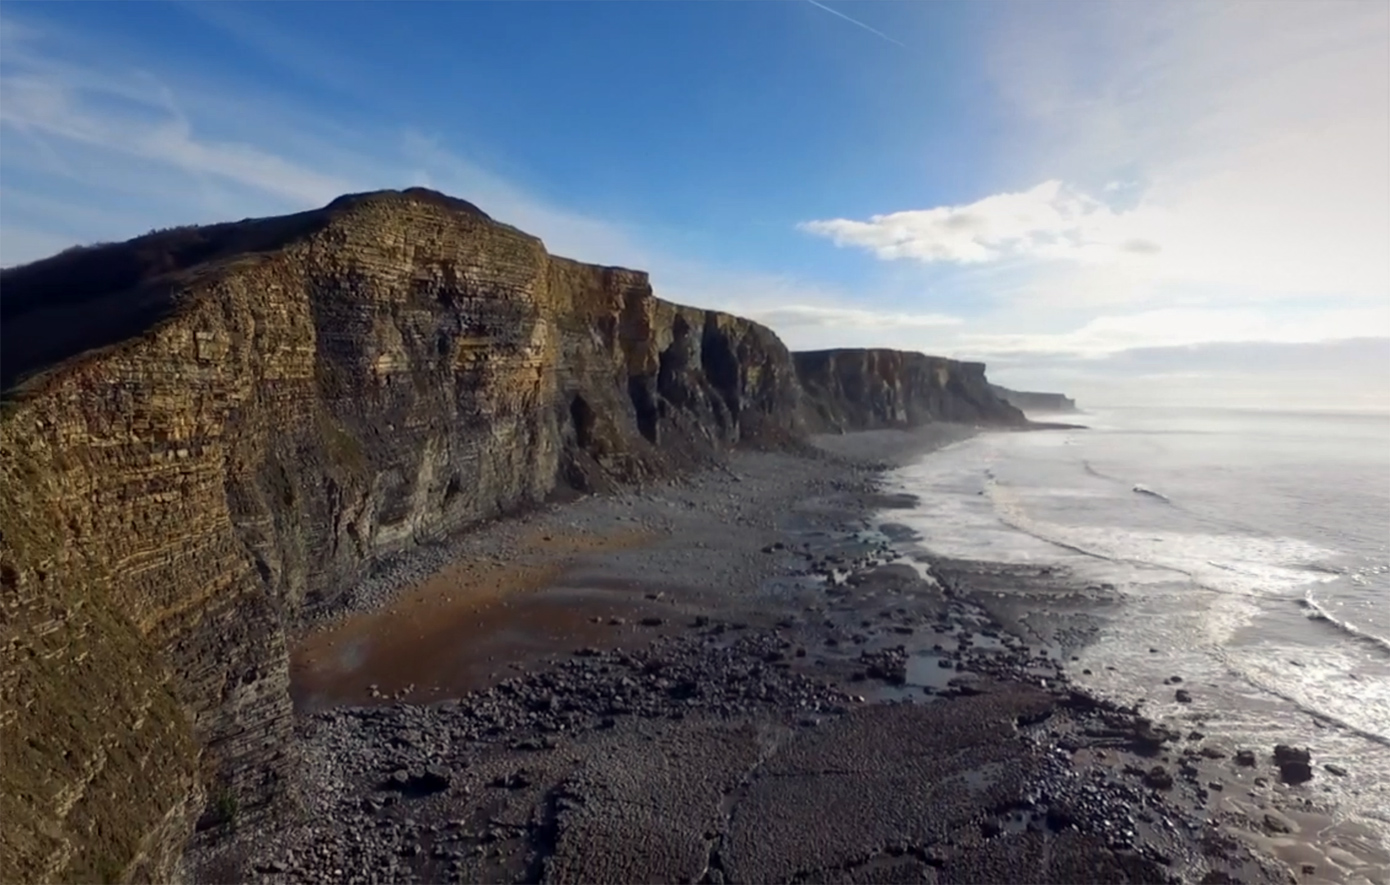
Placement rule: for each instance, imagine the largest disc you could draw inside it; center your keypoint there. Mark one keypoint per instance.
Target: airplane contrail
(855, 22)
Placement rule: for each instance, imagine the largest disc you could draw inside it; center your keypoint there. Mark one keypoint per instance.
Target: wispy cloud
(1260, 131)
(1348, 374)
(293, 53)
(97, 151)
(876, 32)
(146, 125)
(567, 232)
(1184, 327)
(795, 316)
(1047, 221)
(1209, 172)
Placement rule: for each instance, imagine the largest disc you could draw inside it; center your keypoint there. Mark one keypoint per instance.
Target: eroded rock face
(1030, 401)
(271, 406)
(872, 389)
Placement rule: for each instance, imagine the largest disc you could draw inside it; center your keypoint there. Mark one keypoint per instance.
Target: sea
(1247, 551)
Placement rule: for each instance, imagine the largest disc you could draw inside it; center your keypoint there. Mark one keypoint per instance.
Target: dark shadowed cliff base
(735, 677)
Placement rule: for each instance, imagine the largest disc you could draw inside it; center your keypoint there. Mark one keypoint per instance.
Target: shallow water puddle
(462, 628)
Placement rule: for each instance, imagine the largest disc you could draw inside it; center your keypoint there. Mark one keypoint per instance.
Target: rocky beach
(739, 675)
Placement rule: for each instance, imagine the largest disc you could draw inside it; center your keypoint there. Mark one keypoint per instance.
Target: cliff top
(840, 353)
(845, 351)
(90, 297)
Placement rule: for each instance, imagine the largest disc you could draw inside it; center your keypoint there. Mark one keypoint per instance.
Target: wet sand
(461, 628)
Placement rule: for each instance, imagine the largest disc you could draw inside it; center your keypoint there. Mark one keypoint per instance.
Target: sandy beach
(738, 676)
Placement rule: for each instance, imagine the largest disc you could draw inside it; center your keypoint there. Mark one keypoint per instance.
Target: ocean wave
(1216, 523)
(1316, 612)
(1145, 490)
(1250, 677)
(1010, 512)
(1090, 468)
(1140, 488)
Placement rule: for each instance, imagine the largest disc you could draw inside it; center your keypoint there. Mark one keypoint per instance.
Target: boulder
(1158, 778)
(421, 782)
(1295, 765)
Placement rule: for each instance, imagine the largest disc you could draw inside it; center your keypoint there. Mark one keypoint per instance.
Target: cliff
(210, 432)
(1035, 402)
(869, 389)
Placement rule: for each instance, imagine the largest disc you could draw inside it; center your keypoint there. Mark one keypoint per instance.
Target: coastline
(746, 638)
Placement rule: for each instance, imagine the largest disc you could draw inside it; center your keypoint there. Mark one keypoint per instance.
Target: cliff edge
(871, 389)
(1030, 401)
(210, 432)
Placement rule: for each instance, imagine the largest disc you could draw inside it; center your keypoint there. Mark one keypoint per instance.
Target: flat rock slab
(882, 777)
(651, 810)
(882, 793)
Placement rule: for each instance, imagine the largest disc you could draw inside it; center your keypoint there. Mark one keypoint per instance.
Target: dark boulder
(1295, 765)
(1149, 738)
(1158, 778)
(414, 783)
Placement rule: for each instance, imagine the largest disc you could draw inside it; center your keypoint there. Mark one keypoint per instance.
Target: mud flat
(744, 676)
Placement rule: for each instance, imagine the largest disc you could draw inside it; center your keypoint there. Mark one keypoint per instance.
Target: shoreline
(768, 627)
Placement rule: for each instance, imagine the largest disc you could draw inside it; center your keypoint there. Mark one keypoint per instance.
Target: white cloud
(1046, 221)
(1212, 155)
(97, 151)
(1262, 132)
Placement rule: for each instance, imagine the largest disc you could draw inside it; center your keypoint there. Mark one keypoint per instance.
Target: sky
(1167, 203)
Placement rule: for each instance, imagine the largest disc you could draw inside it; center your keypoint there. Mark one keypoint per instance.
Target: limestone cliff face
(257, 429)
(1030, 401)
(868, 389)
(211, 432)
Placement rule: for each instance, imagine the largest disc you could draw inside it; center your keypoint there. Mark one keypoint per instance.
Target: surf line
(1318, 613)
(1022, 523)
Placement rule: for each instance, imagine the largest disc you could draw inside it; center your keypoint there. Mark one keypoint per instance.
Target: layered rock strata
(871, 389)
(1030, 401)
(211, 432)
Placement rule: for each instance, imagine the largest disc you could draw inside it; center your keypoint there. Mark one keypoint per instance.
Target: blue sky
(1049, 187)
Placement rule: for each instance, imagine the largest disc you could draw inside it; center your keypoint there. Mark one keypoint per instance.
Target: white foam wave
(1321, 688)
(1242, 565)
(1318, 612)
(1145, 490)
